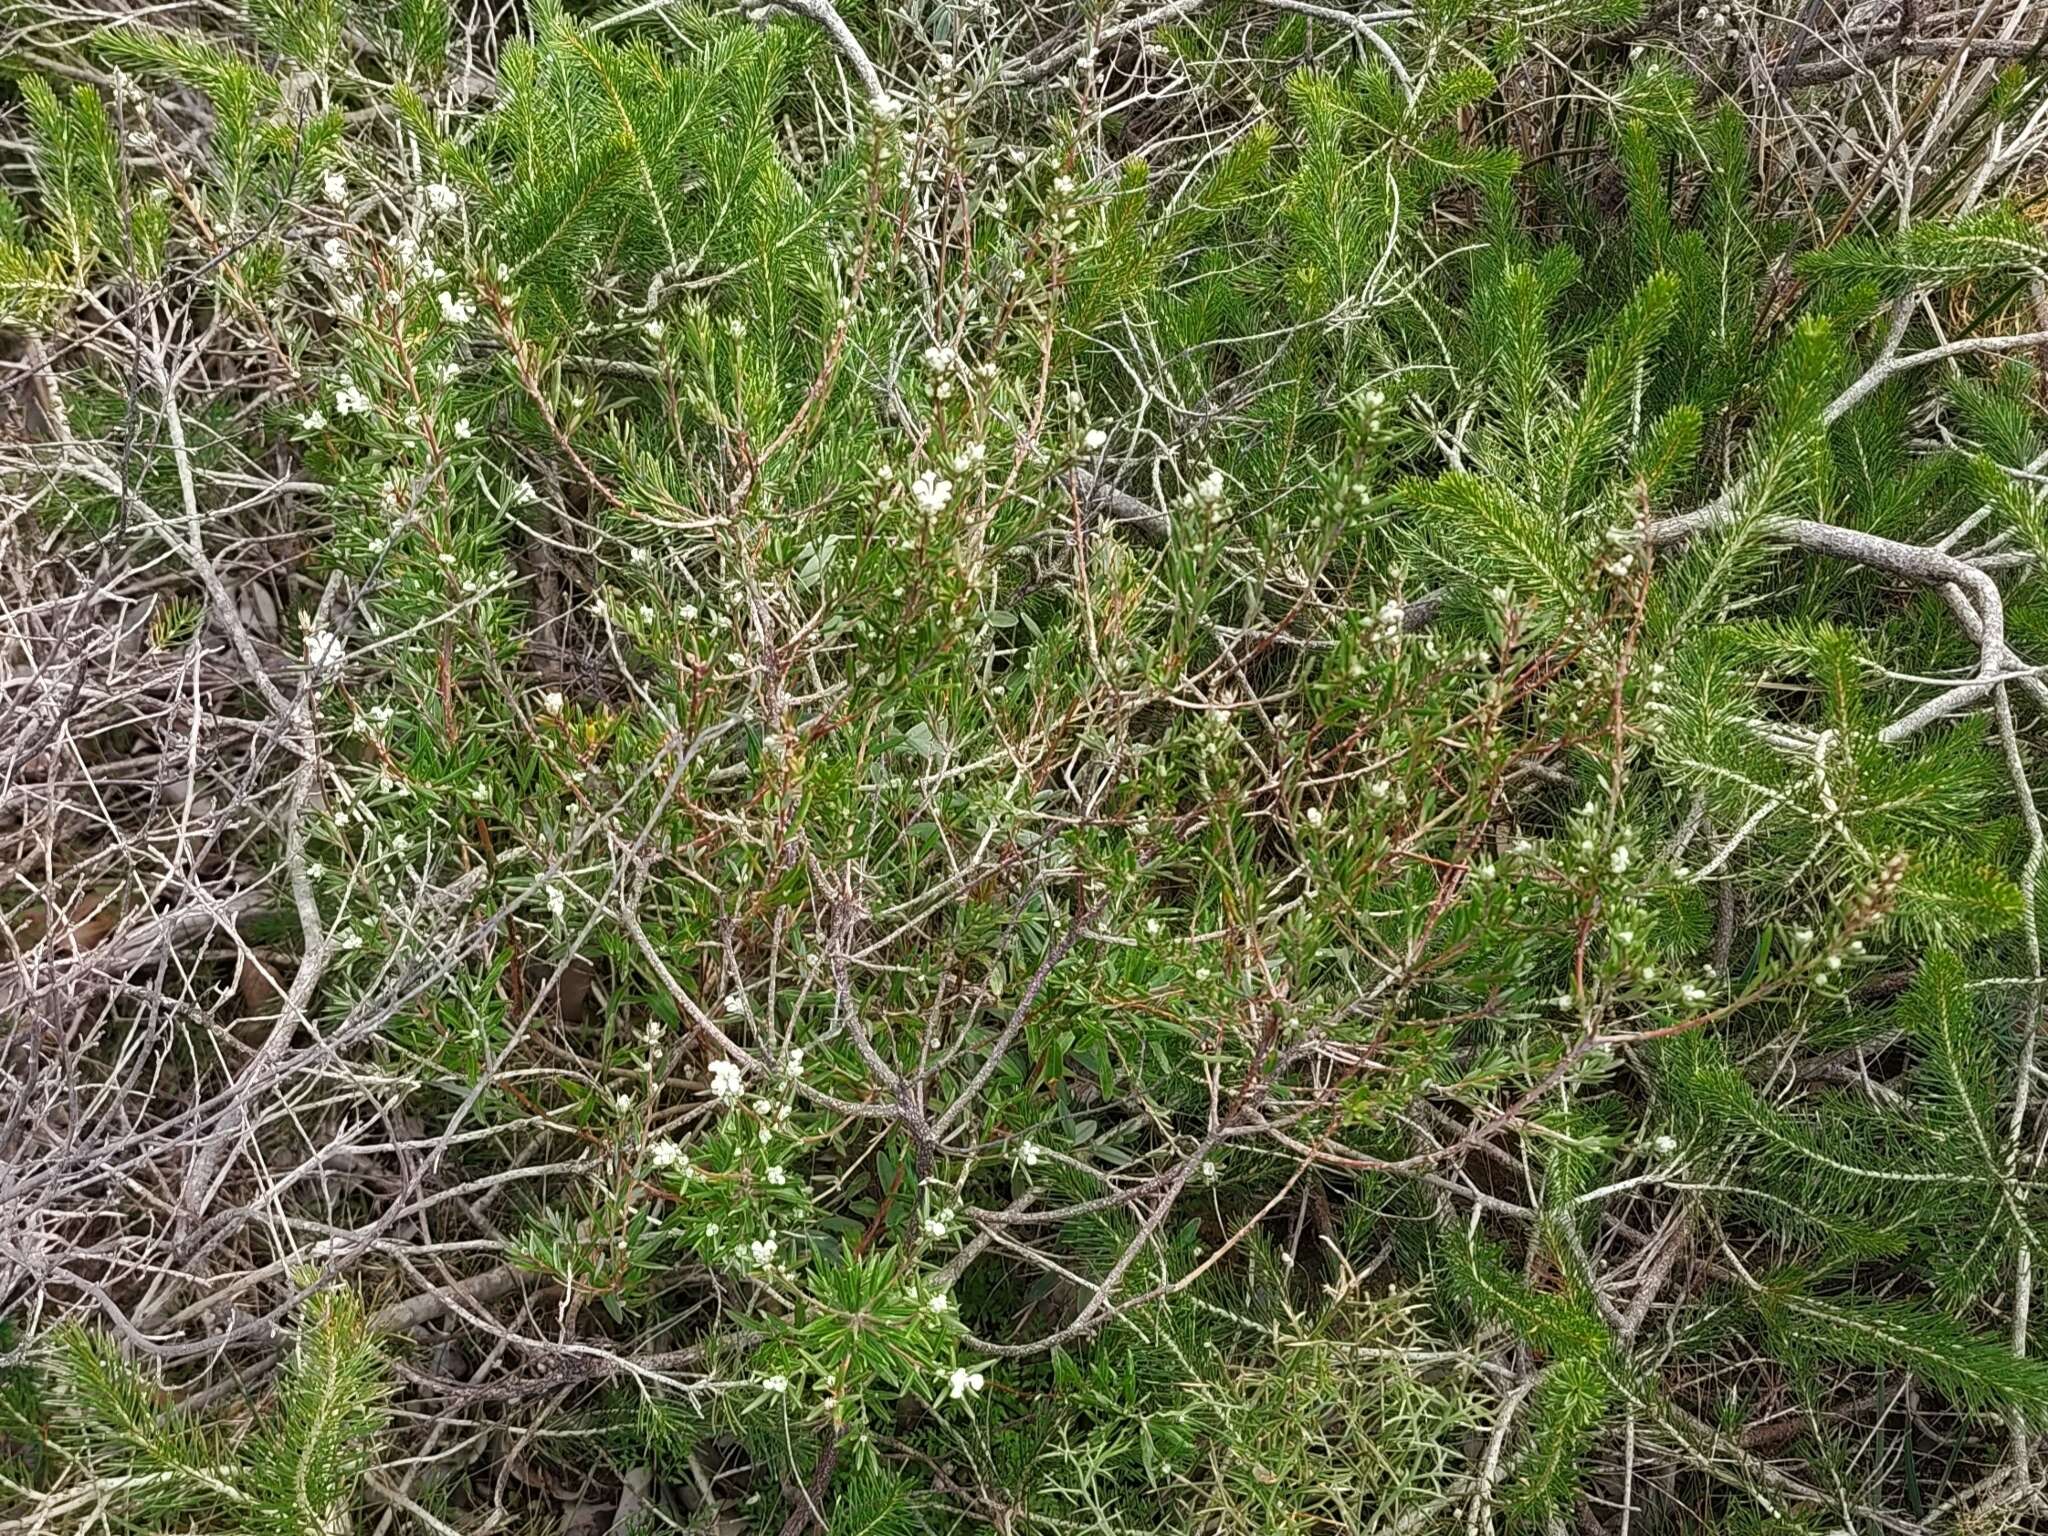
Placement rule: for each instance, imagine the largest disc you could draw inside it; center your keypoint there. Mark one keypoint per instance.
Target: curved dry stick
(824, 15)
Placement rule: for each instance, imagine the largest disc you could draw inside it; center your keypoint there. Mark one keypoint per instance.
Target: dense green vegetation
(1241, 769)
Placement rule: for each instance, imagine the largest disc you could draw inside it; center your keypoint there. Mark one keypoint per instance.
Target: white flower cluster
(1716, 22)
(963, 1382)
(727, 1081)
(349, 400)
(1389, 622)
(416, 260)
(324, 649)
(1372, 421)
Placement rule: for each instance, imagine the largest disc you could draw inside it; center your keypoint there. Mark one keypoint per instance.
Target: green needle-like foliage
(1250, 769)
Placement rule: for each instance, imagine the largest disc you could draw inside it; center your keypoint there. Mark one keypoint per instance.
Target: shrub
(1252, 769)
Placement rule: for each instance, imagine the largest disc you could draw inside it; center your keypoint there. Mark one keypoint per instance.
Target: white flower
(1691, 993)
(735, 1001)
(1095, 439)
(455, 311)
(937, 1305)
(886, 109)
(762, 1251)
(1210, 487)
(1802, 935)
(930, 492)
(334, 187)
(1028, 1153)
(523, 494)
(778, 1384)
(666, 1154)
(654, 328)
(463, 430)
(964, 1381)
(350, 401)
(556, 900)
(1618, 860)
(1665, 1145)
(314, 419)
(551, 702)
(623, 1100)
(441, 197)
(1313, 815)
(711, 1229)
(939, 357)
(1063, 185)
(937, 1225)
(726, 1080)
(1209, 1170)
(793, 1064)
(777, 1176)
(324, 649)
(335, 252)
